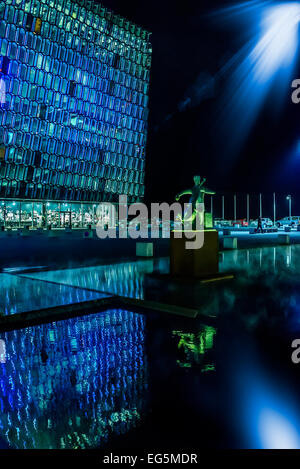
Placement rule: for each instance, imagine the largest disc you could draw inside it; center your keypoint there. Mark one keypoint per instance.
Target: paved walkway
(261, 239)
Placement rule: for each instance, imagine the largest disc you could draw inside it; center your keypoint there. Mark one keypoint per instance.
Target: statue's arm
(186, 192)
(209, 192)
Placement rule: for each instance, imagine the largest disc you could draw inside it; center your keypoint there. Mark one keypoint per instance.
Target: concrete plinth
(144, 249)
(229, 242)
(195, 263)
(208, 221)
(283, 239)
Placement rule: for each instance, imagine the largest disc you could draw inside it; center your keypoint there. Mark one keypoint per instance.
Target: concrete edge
(63, 312)
(161, 307)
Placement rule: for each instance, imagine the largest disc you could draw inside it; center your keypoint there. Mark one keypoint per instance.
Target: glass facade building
(74, 82)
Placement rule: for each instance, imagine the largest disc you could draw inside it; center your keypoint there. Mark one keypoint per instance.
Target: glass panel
(26, 210)
(37, 215)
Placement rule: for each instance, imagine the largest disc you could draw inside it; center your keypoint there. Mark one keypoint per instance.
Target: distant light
(276, 431)
(269, 56)
(269, 411)
(278, 45)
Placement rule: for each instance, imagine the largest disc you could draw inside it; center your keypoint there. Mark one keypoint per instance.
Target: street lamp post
(260, 205)
(223, 207)
(289, 198)
(248, 209)
(234, 207)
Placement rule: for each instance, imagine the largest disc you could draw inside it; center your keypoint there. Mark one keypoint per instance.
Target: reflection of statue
(195, 349)
(197, 197)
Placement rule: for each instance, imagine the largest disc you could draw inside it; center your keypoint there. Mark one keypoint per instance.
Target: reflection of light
(276, 431)
(270, 415)
(125, 279)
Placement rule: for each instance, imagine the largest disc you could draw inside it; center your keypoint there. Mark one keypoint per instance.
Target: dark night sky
(187, 46)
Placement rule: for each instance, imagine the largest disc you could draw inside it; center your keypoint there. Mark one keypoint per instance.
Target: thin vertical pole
(234, 206)
(290, 206)
(274, 208)
(43, 214)
(4, 214)
(59, 214)
(20, 212)
(260, 205)
(211, 206)
(248, 209)
(223, 207)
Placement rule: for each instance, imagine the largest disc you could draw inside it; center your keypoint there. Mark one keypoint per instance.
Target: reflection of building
(123, 279)
(74, 117)
(74, 383)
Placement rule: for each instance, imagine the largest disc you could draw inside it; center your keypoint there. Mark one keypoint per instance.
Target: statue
(197, 193)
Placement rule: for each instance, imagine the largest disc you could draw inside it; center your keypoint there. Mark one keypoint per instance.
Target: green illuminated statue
(197, 193)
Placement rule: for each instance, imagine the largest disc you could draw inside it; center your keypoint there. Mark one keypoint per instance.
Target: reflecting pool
(98, 380)
(282, 260)
(20, 294)
(120, 379)
(124, 279)
(74, 383)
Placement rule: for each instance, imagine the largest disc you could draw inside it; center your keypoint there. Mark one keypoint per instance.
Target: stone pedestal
(229, 242)
(144, 249)
(208, 221)
(195, 263)
(283, 239)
